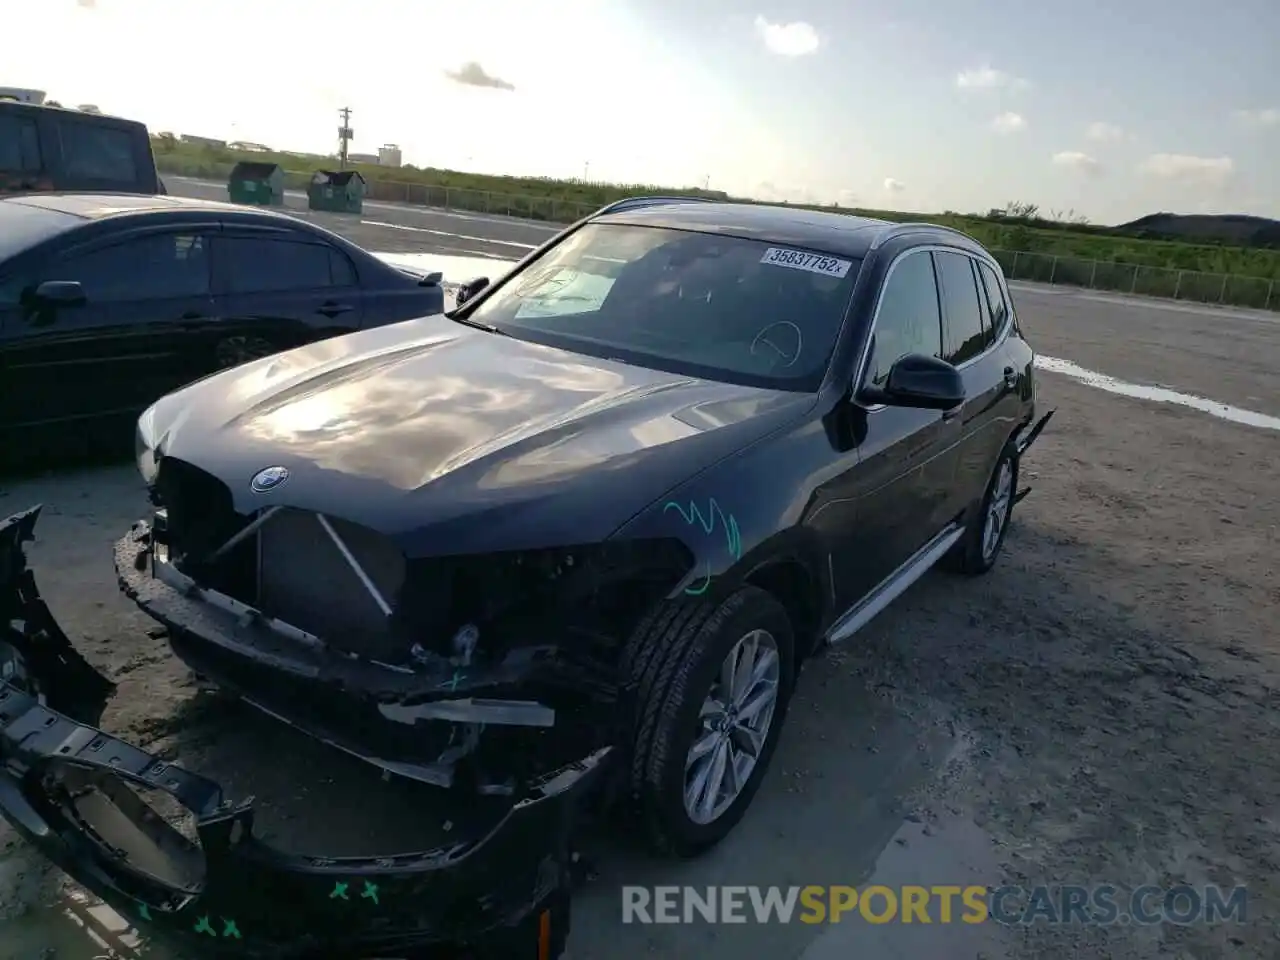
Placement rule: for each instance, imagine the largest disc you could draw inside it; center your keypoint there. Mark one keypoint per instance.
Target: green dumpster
(258, 183)
(337, 191)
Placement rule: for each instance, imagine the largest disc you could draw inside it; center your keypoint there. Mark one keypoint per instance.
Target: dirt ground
(1107, 698)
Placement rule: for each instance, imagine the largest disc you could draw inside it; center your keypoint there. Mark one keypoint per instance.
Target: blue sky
(1108, 109)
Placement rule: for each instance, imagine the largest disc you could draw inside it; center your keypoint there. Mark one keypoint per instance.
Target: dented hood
(438, 434)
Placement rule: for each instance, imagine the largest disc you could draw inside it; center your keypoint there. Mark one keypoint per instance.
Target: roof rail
(637, 203)
(898, 229)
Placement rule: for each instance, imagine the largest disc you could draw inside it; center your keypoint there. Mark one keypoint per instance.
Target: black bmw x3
(611, 501)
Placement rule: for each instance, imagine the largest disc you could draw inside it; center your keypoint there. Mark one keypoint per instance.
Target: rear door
(126, 345)
(991, 407)
(279, 289)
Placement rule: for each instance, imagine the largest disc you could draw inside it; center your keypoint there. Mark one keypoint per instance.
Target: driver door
(898, 488)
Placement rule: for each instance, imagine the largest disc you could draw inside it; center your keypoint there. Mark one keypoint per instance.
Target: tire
(674, 661)
(974, 555)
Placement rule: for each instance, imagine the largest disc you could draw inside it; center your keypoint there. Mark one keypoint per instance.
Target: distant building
(89, 108)
(203, 141)
(245, 146)
(22, 94)
(389, 155)
(363, 158)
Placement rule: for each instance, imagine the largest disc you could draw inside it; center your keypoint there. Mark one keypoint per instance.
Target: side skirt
(894, 585)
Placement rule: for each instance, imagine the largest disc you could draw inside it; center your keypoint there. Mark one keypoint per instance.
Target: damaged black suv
(613, 499)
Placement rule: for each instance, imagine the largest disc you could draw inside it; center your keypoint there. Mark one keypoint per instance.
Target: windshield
(700, 304)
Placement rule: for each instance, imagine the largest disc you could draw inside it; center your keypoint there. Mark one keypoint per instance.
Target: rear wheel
(712, 687)
(979, 548)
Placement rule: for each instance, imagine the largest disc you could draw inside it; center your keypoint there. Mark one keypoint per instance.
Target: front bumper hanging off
(69, 789)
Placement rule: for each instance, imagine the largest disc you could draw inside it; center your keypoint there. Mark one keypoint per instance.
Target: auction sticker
(813, 262)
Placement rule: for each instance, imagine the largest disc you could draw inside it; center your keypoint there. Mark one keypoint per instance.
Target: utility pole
(345, 136)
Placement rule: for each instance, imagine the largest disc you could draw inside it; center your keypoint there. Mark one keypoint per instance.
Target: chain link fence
(1222, 288)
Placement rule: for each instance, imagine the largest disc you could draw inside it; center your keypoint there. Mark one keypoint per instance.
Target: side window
(341, 271)
(995, 296)
(161, 266)
(19, 146)
(91, 151)
(968, 329)
(908, 320)
(261, 265)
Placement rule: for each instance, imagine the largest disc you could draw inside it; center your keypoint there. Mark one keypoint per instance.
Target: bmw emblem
(267, 480)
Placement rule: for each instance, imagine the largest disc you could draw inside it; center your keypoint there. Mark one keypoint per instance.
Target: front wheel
(712, 686)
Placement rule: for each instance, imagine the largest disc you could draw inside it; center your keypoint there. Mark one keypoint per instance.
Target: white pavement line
(446, 233)
(1123, 388)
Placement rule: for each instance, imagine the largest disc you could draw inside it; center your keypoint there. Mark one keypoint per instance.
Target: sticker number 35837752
(813, 262)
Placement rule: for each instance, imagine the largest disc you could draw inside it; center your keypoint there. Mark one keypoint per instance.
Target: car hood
(451, 439)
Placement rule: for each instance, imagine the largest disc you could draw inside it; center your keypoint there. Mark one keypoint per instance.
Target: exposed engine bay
(481, 671)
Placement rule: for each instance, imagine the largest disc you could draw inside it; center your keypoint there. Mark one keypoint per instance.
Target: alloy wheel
(733, 727)
(997, 509)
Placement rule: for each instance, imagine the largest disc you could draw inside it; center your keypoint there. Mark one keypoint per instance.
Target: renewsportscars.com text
(1065, 904)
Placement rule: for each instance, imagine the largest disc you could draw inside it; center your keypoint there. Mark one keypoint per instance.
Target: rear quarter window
(98, 153)
(19, 146)
(999, 309)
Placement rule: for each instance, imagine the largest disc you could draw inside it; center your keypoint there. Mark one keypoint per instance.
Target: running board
(894, 585)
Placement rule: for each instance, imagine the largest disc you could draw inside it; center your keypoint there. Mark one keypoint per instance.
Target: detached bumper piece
(82, 797)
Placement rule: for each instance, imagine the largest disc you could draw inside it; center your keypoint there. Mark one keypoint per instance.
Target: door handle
(332, 309)
(1010, 377)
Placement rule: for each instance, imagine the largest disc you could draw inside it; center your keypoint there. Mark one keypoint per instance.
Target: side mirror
(922, 382)
(469, 289)
(60, 293)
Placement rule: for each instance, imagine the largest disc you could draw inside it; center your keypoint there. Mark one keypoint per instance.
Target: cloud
(1207, 171)
(471, 74)
(1075, 160)
(1259, 118)
(795, 39)
(988, 78)
(1009, 122)
(1102, 132)
(893, 186)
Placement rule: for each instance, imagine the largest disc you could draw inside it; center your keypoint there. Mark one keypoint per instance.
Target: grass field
(1061, 253)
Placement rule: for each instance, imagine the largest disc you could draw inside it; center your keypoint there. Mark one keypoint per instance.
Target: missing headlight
(142, 829)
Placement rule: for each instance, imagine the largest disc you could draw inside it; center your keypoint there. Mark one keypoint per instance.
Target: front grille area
(290, 568)
(304, 579)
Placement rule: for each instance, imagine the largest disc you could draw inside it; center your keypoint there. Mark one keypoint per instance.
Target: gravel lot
(1097, 710)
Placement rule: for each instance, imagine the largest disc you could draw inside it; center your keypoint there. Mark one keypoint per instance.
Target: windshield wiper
(479, 325)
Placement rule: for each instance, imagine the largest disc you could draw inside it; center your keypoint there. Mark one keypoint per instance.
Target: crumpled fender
(68, 788)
